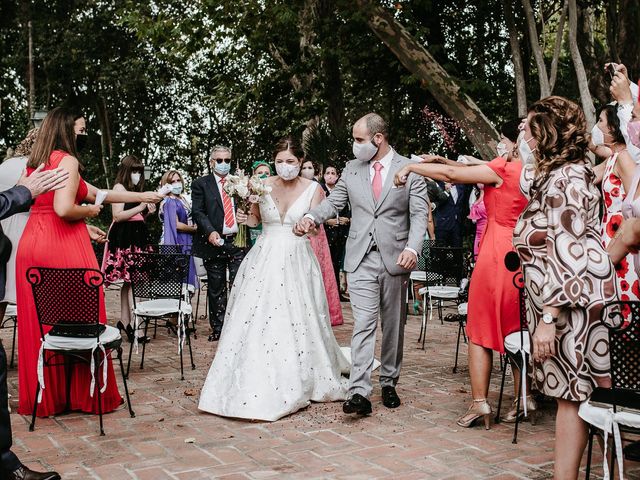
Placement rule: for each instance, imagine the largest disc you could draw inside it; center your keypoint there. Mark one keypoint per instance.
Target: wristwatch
(549, 319)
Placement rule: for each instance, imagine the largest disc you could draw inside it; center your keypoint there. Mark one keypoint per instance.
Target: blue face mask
(176, 188)
(222, 168)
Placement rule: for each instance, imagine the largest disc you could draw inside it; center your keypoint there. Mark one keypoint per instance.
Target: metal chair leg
(455, 366)
(129, 359)
(35, 407)
(193, 365)
(515, 428)
(504, 376)
(589, 452)
(97, 377)
(144, 345)
(13, 343)
(124, 381)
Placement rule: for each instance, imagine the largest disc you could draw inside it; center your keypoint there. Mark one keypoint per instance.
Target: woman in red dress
(493, 308)
(56, 236)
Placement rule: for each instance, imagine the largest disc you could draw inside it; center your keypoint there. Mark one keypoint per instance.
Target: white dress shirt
(227, 230)
(386, 163)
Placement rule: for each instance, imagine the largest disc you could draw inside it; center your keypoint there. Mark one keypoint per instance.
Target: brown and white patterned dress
(565, 265)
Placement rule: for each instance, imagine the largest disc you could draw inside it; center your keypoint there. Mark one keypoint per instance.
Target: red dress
(493, 310)
(320, 247)
(50, 241)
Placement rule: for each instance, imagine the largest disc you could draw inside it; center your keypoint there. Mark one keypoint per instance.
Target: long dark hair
(56, 133)
(613, 122)
(288, 144)
(128, 165)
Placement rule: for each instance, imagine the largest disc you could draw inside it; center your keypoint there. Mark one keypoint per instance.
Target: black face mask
(81, 141)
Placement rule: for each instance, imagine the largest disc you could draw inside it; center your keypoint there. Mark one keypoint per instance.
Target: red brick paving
(419, 440)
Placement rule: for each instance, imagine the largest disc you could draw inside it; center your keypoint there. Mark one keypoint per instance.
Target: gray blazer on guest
(12, 201)
(397, 220)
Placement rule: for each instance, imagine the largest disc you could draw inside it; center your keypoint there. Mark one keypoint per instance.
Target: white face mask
(597, 136)
(176, 188)
(222, 168)
(287, 172)
(307, 173)
(135, 178)
(526, 154)
(364, 151)
(502, 149)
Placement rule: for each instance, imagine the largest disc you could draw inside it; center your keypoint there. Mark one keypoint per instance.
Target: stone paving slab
(419, 440)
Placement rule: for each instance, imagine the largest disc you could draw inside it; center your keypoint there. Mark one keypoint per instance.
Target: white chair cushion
(444, 292)
(418, 276)
(513, 342)
(11, 311)
(462, 308)
(160, 307)
(55, 342)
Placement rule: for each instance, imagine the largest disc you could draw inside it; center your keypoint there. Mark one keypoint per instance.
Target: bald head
(374, 124)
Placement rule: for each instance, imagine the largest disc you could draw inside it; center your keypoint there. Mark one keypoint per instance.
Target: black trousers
(449, 237)
(229, 258)
(8, 460)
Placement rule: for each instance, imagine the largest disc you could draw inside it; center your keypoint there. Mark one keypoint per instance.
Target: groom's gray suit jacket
(397, 220)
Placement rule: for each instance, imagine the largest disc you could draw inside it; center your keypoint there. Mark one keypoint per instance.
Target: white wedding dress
(277, 352)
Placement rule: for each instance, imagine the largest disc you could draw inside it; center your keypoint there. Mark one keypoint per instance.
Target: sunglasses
(225, 160)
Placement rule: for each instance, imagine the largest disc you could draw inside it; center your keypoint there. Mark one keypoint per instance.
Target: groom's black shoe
(357, 404)
(390, 398)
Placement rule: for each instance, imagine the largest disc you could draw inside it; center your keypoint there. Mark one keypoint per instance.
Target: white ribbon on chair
(611, 423)
(41, 370)
(104, 370)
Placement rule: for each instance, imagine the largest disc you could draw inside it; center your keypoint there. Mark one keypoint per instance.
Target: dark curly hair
(560, 129)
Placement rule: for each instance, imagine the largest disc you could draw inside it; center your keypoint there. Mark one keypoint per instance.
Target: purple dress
(172, 211)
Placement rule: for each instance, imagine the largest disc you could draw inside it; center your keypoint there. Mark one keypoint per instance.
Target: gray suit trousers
(376, 293)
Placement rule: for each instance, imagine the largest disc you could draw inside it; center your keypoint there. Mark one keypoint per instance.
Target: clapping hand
(304, 226)
(620, 88)
(41, 182)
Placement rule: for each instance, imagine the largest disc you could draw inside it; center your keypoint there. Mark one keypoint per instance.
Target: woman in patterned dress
(568, 275)
(614, 175)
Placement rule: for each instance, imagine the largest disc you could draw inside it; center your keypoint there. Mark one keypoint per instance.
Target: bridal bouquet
(245, 191)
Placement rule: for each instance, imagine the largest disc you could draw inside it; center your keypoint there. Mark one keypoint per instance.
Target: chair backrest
(442, 265)
(622, 320)
(66, 296)
(155, 275)
(169, 249)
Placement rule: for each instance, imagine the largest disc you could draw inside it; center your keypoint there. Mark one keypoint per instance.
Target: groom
(388, 225)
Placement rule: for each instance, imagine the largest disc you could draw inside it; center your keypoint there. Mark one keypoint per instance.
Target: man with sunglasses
(214, 213)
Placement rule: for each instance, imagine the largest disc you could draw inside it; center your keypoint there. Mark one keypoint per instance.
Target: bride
(277, 352)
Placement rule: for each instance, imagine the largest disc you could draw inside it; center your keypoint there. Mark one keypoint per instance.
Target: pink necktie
(377, 180)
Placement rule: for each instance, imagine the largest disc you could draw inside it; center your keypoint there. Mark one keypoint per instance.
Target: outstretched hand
(40, 182)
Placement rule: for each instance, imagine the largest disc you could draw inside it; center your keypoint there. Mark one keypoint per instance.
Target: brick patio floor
(170, 439)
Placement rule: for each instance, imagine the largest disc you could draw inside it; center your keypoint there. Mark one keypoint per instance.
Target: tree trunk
(516, 57)
(627, 44)
(105, 138)
(545, 91)
(558, 46)
(583, 86)
(434, 78)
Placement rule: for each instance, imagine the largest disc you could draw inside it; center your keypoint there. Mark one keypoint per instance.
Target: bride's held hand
(241, 216)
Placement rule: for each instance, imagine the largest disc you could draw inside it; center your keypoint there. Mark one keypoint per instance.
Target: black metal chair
(617, 408)
(68, 300)
(444, 269)
(11, 317)
(158, 287)
(517, 347)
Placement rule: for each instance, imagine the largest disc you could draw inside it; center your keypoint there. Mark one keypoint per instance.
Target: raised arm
(474, 174)
(123, 196)
(118, 211)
